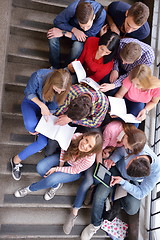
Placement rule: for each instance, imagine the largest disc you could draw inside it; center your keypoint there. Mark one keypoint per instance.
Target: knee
(53, 41)
(40, 169)
(30, 125)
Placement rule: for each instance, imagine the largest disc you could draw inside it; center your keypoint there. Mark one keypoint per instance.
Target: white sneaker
(22, 192)
(51, 193)
(89, 231)
(69, 223)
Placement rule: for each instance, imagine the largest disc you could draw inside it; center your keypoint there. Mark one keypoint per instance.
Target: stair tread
(44, 230)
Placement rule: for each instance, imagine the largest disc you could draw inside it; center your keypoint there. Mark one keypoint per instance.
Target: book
(102, 174)
(118, 108)
(81, 75)
(62, 134)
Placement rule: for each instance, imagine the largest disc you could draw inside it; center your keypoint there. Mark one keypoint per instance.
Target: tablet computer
(102, 174)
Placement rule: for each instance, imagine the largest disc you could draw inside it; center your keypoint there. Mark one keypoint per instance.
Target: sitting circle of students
(108, 43)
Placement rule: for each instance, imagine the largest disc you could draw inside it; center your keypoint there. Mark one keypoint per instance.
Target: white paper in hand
(81, 75)
(62, 134)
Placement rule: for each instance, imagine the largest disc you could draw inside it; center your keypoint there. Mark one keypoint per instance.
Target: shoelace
(18, 166)
(23, 191)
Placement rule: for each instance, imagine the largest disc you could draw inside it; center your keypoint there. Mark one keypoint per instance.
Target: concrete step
(43, 5)
(14, 131)
(45, 231)
(13, 100)
(29, 23)
(19, 73)
(28, 50)
(68, 189)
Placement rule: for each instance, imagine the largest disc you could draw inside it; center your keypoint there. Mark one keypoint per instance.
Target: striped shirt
(79, 165)
(147, 57)
(99, 105)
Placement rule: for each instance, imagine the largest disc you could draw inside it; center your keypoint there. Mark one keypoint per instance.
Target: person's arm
(142, 114)
(121, 92)
(56, 32)
(112, 25)
(44, 109)
(83, 165)
(63, 18)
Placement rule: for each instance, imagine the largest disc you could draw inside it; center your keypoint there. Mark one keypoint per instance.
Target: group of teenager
(108, 43)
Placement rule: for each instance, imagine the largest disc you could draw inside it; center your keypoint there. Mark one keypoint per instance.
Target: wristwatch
(63, 33)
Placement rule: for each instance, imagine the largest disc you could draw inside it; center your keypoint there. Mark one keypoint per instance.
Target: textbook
(81, 75)
(62, 134)
(118, 108)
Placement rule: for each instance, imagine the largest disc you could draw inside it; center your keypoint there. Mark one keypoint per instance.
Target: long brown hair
(74, 151)
(136, 138)
(59, 78)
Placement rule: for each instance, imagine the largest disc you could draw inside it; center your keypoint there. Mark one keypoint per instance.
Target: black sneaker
(16, 172)
(113, 212)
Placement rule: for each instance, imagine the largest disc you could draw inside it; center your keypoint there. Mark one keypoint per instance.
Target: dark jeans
(54, 49)
(129, 203)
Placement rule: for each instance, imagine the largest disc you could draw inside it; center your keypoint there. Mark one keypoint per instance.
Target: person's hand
(108, 163)
(114, 28)
(52, 170)
(61, 164)
(45, 112)
(115, 180)
(35, 133)
(103, 30)
(54, 32)
(141, 115)
(106, 87)
(113, 76)
(70, 67)
(80, 35)
(63, 120)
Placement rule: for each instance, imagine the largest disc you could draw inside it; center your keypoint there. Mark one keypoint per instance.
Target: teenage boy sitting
(131, 53)
(137, 174)
(127, 20)
(83, 107)
(78, 21)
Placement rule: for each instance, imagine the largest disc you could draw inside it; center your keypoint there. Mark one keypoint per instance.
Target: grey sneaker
(89, 231)
(22, 192)
(68, 225)
(16, 171)
(51, 193)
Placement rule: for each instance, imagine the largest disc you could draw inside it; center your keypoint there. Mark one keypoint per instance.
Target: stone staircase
(30, 217)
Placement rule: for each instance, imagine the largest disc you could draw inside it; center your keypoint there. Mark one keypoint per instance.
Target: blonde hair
(144, 75)
(59, 78)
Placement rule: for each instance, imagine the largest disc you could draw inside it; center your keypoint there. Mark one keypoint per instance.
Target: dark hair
(74, 151)
(111, 41)
(139, 167)
(140, 13)
(131, 52)
(79, 108)
(84, 12)
(136, 138)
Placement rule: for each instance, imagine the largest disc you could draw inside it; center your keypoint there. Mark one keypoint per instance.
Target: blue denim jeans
(31, 115)
(129, 203)
(54, 49)
(55, 178)
(134, 108)
(85, 185)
